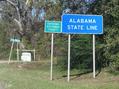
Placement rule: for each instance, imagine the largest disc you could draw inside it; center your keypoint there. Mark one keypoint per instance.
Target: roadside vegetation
(29, 28)
(36, 76)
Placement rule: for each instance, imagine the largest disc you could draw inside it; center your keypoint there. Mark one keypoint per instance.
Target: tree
(27, 23)
(109, 41)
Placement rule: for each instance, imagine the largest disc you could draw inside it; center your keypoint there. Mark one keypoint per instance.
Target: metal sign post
(69, 42)
(52, 27)
(17, 51)
(51, 68)
(93, 56)
(11, 52)
(13, 40)
(82, 24)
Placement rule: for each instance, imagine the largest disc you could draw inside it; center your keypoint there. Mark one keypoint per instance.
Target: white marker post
(51, 68)
(93, 56)
(34, 54)
(69, 42)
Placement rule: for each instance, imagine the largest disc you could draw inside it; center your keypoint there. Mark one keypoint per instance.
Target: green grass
(36, 76)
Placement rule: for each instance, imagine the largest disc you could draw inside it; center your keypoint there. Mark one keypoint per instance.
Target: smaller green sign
(53, 26)
(14, 40)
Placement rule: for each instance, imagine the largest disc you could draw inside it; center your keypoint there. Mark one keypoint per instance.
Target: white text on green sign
(53, 26)
(14, 40)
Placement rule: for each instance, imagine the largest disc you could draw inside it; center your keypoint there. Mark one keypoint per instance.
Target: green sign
(14, 40)
(53, 26)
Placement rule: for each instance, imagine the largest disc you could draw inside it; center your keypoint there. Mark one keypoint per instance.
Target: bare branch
(11, 3)
(19, 24)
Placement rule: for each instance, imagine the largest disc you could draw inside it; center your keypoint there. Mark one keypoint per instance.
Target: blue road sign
(82, 24)
(53, 26)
